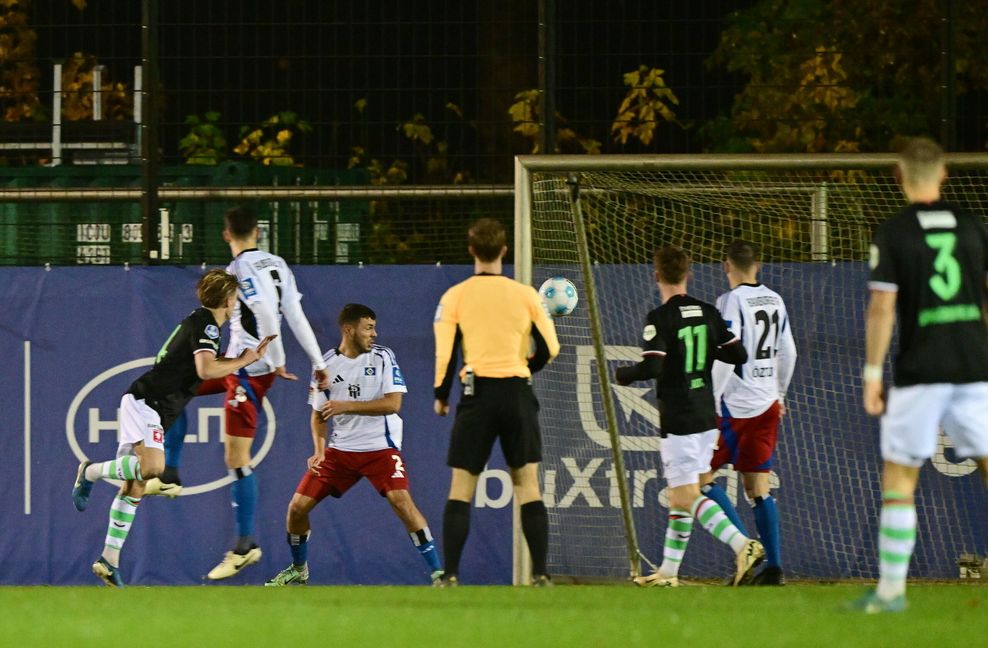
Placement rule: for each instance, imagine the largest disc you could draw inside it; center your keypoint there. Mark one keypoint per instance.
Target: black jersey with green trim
(935, 257)
(682, 338)
(173, 380)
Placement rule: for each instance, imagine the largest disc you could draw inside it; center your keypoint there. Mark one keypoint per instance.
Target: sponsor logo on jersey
(762, 300)
(265, 263)
(937, 219)
(691, 311)
(396, 376)
(247, 287)
(354, 391)
(338, 379)
(212, 331)
(239, 396)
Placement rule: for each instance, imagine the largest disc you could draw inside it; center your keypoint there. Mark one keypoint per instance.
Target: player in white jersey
(362, 402)
(267, 291)
(751, 398)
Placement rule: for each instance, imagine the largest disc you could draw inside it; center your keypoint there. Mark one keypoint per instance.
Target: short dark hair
(743, 254)
(486, 237)
(921, 161)
(215, 287)
(240, 222)
(672, 263)
(353, 313)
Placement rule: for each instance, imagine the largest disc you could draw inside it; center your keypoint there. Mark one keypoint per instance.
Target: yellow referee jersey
(493, 319)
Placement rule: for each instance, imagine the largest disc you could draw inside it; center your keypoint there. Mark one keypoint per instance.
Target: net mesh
(814, 229)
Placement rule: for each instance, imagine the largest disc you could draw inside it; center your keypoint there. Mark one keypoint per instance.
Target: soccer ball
(559, 296)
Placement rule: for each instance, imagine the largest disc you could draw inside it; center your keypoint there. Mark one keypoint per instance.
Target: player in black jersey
(928, 268)
(151, 404)
(682, 338)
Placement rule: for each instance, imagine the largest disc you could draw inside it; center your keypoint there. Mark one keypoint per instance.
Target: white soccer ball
(559, 296)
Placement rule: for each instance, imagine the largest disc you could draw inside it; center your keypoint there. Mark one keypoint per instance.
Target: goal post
(597, 220)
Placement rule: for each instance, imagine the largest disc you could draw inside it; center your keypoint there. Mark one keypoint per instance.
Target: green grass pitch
(796, 615)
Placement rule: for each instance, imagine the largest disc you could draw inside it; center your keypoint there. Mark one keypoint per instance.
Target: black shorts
(500, 407)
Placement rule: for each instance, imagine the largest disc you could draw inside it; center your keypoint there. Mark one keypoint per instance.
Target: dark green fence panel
(303, 231)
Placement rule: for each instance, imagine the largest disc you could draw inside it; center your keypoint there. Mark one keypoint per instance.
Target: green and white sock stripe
(128, 467)
(711, 517)
(122, 513)
(678, 533)
(896, 540)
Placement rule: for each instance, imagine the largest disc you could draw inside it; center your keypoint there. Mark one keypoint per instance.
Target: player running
(682, 337)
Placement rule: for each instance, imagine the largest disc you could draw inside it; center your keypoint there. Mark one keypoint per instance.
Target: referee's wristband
(873, 373)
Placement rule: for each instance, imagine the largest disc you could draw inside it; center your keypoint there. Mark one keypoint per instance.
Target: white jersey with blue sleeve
(759, 317)
(268, 291)
(367, 377)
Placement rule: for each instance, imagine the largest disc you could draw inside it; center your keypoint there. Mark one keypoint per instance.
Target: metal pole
(948, 75)
(547, 76)
(820, 228)
(56, 115)
(603, 374)
(521, 559)
(149, 129)
(98, 92)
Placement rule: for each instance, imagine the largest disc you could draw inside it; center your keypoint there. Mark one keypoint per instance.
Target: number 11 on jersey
(696, 352)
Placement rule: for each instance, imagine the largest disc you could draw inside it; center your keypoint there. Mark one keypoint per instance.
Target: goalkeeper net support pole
(603, 375)
(813, 217)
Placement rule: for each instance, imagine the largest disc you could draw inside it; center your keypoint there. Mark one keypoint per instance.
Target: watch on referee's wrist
(873, 373)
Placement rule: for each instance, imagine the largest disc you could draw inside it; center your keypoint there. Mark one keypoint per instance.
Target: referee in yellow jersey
(493, 320)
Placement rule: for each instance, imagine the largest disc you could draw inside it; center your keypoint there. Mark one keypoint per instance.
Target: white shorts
(140, 424)
(685, 458)
(912, 420)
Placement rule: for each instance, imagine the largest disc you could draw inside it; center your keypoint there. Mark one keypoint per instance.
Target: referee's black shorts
(500, 407)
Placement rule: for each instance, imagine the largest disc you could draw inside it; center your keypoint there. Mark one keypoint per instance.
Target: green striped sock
(122, 513)
(712, 518)
(127, 468)
(896, 539)
(678, 533)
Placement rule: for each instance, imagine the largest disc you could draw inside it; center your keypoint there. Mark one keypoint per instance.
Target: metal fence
(397, 94)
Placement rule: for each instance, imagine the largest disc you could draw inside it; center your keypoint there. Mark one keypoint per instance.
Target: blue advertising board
(74, 338)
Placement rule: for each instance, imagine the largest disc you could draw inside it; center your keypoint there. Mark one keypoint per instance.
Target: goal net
(813, 219)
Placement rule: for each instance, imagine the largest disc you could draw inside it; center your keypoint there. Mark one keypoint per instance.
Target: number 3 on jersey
(947, 278)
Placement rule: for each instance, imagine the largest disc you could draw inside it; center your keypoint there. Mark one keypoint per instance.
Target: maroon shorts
(244, 395)
(748, 443)
(340, 469)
